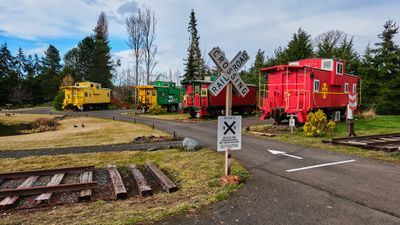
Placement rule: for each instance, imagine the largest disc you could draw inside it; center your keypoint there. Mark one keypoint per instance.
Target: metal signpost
(229, 127)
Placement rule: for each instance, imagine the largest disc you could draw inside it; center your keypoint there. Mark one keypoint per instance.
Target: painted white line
(321, 165)
(276, 152)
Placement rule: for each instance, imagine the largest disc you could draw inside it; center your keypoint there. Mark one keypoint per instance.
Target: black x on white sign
(229, 133)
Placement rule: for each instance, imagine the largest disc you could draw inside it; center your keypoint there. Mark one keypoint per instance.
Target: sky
(230, 24)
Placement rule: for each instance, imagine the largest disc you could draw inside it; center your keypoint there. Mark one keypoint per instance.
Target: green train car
(163, 93)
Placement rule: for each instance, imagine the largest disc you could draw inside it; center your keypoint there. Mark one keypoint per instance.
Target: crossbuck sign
(230, 72)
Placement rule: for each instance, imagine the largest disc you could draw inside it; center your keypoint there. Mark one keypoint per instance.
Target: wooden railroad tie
(119, 188)
(10, 200)
(161, 178)
(142, 186)
(45, 197)
(85, 194)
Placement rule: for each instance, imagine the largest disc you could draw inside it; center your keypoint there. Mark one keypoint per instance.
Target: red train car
(307, 85)
(197, 101)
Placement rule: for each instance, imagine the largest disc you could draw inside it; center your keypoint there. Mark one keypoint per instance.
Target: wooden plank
(369, 136)
(45, 197)
(44, 189)
(263, 134)
(86, 194)
(11, 199)
(15, 175)
(119, 188)
(354, 143)
(161, 178)
(142, 186)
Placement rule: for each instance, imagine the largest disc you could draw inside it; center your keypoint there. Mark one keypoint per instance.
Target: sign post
(229, 127)
(351, 107)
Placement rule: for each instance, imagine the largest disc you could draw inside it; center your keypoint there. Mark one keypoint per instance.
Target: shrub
(369, 114)
(43, 125)
(318, 125)
(58, 101)
(156, 109)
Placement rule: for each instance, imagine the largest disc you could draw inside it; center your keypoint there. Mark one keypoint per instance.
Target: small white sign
(229, 133)
(292, 122)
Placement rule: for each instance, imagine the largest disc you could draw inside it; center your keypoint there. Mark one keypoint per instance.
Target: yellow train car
(146, 95)
(86, 95)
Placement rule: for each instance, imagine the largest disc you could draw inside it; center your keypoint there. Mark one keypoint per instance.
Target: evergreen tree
(194, 66)
(300, 47)
(20, 64)
(86, 62)
(252, 77)
(102, 56)
(49, 77)
(386, 60)
(8, 75)
(370, 86)
(71, 64)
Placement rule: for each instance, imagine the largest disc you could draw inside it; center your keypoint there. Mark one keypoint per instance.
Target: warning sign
(229, 133)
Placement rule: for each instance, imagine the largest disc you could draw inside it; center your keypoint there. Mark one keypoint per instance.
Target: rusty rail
(385, 142)
(44, 189)
(15, 175)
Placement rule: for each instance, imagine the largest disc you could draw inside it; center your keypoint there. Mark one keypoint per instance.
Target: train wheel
(192, 113)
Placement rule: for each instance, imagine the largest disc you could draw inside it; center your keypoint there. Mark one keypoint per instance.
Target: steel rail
(21, 174)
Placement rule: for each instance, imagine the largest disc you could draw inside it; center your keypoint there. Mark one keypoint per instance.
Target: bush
(318, 125)
(58, 101)
(43, 125)
(156, 109)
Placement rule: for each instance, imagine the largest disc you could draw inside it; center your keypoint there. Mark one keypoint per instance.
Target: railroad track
(385, 142)
(31, 189)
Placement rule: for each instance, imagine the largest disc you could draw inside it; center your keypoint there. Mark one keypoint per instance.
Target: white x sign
(230, 71)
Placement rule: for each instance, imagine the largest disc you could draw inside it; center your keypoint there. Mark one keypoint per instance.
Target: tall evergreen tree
(252, 76)
(86, 63)
(8, 75)
(49, 76)
(386, 60)
(20, 64)
(71, 64)
(300, 47)
(102, 53)
(194, 66)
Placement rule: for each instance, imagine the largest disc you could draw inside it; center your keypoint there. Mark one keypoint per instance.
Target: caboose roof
(291, 67)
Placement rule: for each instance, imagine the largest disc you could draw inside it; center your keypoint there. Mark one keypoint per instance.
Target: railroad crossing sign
(229, 72)
(353, 101)
(229, 133)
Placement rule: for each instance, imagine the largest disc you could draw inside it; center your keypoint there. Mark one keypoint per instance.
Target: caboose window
(346, 87)
(354, 88)
(316, 85)
(339, 68)
(86, 94)
(327, 64)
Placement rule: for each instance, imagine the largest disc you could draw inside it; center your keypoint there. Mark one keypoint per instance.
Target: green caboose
(163, 93)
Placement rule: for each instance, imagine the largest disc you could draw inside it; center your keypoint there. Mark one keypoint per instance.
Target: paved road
(360, 192)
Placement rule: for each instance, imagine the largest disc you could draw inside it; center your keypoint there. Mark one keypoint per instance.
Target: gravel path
(102, 148)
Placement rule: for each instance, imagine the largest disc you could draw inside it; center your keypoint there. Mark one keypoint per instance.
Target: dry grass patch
(169, 116)
(195, 173)
(78, 131)
(22, 118)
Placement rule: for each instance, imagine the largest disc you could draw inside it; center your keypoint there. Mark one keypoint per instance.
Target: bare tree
(67, 80)
(19, 94)
(134, 26)
(174, 75)
(149, 46)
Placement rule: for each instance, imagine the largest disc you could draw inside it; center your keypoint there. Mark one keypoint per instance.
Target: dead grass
(93, 132)
(22, 118)
(369, 114)
(195, 173)
(168, 116)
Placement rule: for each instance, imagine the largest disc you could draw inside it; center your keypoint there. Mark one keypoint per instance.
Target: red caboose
(197, 101)
(307, 85)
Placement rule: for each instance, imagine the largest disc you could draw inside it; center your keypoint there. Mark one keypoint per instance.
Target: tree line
(35, 80)
(378, 66)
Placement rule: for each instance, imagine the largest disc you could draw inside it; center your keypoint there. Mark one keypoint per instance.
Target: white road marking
(321, 165)
(275, 152)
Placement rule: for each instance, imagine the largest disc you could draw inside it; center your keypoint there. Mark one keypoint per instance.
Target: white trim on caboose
(339, 68)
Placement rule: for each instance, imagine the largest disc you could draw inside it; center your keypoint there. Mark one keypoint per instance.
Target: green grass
(195, 173)
(378, 125)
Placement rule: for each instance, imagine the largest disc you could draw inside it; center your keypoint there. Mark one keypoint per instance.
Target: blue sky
(232, 25)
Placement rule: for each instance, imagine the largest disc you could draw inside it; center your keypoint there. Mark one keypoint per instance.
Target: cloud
(128, 7)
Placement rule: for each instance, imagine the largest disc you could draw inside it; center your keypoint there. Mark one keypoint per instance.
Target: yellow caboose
(86, 95)
(146, 96)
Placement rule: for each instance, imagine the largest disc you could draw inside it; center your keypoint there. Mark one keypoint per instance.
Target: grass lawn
(195, 173)
(378, 125)
(22, 118)
(95, 132)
